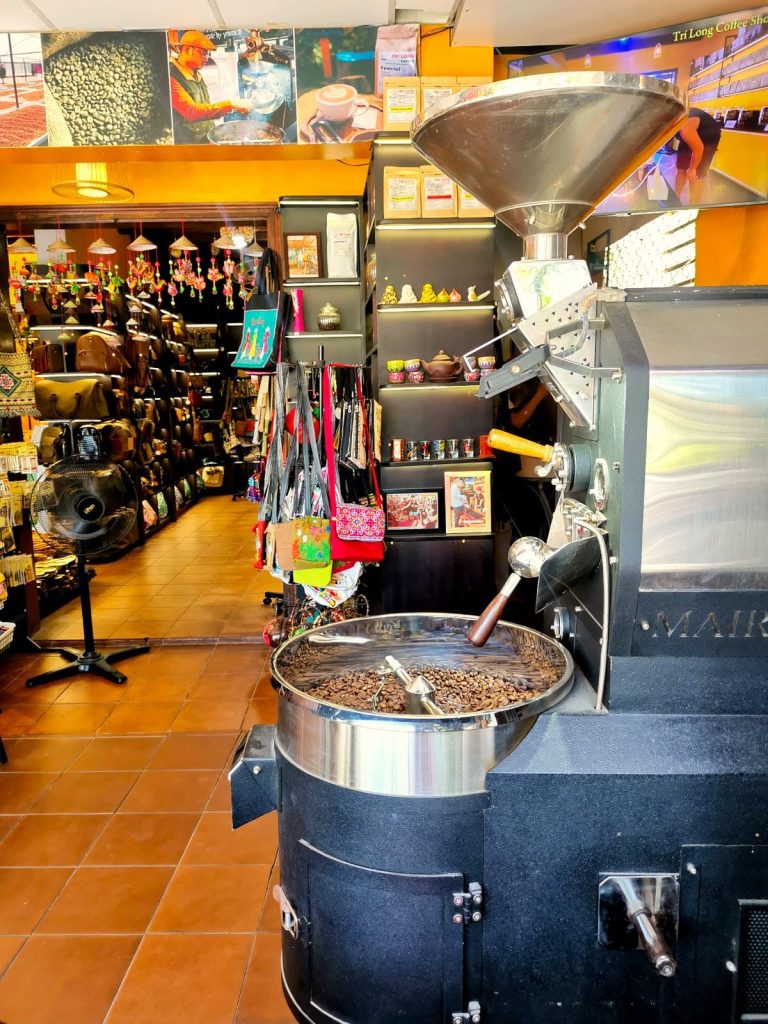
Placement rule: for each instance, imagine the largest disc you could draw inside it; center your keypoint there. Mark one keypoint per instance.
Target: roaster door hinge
(471, 1014)
(468, 906)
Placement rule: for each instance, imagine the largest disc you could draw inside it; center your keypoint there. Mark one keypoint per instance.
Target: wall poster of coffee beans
(107, 88)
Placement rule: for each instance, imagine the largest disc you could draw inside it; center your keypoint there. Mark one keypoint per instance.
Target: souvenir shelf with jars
(322, 263)
(431, 301)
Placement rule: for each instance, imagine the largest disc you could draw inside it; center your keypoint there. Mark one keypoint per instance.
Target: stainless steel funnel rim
(468, 720)
(548, 82)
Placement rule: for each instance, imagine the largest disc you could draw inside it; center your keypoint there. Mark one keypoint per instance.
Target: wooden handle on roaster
(485, 623)
(520, 445)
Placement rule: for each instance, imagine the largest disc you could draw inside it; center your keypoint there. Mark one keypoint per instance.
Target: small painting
(413, 510)
(303, 255)
(468, 502)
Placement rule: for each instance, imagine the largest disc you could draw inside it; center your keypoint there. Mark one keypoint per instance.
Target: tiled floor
(125, 896)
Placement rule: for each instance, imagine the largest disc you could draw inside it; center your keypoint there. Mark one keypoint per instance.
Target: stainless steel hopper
(542, 152)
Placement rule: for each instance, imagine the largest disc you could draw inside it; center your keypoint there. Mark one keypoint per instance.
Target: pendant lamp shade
(61, 248)
(92, 182)
(254, 250)
(101, 248)
(141, 244)
(22, 247)
(183, 244)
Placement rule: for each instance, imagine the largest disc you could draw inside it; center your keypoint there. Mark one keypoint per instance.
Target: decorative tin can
(425, 449)
(397, 449)
(438, 449)
(411, 451)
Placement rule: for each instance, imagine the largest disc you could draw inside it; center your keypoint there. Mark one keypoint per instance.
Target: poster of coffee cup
(233, 87)
(719, 154)
(106, 88)
(335, 81)
(22, 100)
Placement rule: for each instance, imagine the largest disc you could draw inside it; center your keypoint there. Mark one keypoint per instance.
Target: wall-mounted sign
(719, 156)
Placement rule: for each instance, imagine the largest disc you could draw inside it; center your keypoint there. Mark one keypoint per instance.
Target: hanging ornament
(101, 248)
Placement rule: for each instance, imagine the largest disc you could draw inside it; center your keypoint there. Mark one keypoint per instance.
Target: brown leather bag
(139, 352)
(71, 400)
(96, 353)
(47, 358)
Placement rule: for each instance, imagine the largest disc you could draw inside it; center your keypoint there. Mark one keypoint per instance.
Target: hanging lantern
(101, 248)
(21, 247)
(141, 244)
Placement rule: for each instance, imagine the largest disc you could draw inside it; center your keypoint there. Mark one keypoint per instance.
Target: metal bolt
(617, 466)
(477, 916)
(730, 966)
(691, 869)
(477, 899)
(475, 1018)
(645, 625)
(458, 901)
(458, 919)
(256, 770)
(457, 1020)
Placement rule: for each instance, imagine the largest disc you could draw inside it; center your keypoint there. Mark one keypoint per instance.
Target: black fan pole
(89, 642)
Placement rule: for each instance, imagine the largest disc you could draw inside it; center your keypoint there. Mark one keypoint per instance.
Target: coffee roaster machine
(597, 856)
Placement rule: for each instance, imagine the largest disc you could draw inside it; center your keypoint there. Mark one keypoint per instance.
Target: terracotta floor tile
(194, 630)
(261, 712)
(262, 1000)
(211, 715)
(195, 750)
(7, 823)
(71, 719)
(48, 754)
(159, 689)
(25, 895)
(51, 840)
(143, 719)
(225, 686)
(142, 840)
(18, 719)
(86, 793)
(20, 790)
(123, 753)
(91, 690)
(220, 798)
(16, 690)
(107, 900)
(222, 899)
(171, 791)
(69, 980)
(187, 660)
(9, 947)
(183, 979)
(215, 842)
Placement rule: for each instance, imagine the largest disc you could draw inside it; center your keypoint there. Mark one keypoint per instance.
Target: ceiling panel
(306, 13)
(562, 22)
(84, 14)
(15, 16)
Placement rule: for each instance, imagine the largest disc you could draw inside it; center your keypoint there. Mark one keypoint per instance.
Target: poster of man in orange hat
(194, 111)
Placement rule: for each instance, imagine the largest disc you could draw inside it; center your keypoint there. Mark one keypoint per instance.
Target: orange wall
(732, 246)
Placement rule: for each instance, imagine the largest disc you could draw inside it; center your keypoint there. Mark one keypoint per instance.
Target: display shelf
(478, 461)
(429, 386)
(437, 224)
(321, 282)
(435, 307)
(431, 535)
(324, 335)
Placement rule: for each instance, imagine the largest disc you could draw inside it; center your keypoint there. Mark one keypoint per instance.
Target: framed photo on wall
(412, 510)
(468, 502)
(304, 255)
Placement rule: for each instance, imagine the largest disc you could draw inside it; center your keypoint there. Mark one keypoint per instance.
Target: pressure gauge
(599, 488)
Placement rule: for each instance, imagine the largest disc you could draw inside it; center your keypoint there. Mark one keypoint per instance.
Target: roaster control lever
(568, 466)
(640, 911)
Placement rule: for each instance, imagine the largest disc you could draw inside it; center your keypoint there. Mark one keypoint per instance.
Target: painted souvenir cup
(395, 365)
(411, 365)
(397, 449)
(411, 451)
(468, 447)
(396, 377)
(453, 447)
(425, 449)
(438, 449)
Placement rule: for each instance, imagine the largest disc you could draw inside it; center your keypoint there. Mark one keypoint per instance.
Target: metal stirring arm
(418, 692)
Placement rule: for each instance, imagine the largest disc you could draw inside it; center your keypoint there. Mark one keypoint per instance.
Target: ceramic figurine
(472, 295)
(428, 294)
(455, 296)
(408, 294)
(389, 298)
(443, 296)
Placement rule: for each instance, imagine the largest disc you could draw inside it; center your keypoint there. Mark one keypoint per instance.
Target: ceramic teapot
(442, 367)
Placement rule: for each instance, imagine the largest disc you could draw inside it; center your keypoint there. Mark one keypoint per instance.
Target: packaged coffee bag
(397, 48)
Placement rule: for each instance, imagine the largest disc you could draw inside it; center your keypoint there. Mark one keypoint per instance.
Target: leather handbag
(71, 400)
(97, 353)
(48, 358)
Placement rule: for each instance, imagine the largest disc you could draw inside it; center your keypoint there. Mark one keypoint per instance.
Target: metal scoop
(526, 557)
(418, 692)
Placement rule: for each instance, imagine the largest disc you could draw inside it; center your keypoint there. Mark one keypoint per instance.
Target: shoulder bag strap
(367, 437)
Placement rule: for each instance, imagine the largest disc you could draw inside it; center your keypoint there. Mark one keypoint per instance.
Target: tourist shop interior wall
(732, 243)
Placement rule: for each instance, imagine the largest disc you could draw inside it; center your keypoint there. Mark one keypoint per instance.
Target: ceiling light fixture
(92, 182)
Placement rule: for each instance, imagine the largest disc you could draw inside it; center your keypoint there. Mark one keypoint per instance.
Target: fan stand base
(89, 662)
